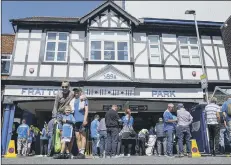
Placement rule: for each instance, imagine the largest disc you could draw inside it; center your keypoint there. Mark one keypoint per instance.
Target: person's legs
(187, 139)
(94, 146)
(222, 140)
(109, 143)
(83, 142)
(78, 140)
(19, 146)
(45, 147)
(24, 147)
(49, 144)
(115, 134)
(216, 138)
(41, 147)
(122, 146)
(159, 146)
(211, 139)
(129, 147)
(164, 142)
(170, 142)
(180, 139)
(28, 148)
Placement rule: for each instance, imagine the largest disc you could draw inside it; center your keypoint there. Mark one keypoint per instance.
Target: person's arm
(131, 121)
(167, 120)
(218, 114)
(86, 113)
(28, 131)
(55, 108)
(190, 118)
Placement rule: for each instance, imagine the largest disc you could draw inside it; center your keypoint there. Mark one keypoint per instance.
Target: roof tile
(7, 45)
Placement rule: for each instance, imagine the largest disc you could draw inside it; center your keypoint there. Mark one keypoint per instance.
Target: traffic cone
(11, 150)
(194, 149)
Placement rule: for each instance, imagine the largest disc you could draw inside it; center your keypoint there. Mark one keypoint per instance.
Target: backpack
(229, 109)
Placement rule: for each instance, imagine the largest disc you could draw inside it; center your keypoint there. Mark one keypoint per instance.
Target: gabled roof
(115, 7)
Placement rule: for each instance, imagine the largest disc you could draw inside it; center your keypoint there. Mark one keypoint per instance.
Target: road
(130, 160)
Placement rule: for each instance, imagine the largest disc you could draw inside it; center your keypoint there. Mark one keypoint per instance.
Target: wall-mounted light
(31, 70)
(194, 74)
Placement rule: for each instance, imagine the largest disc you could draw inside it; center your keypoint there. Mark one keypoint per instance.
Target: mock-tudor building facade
(115, 58)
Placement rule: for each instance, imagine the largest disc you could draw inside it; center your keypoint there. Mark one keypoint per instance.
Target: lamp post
(193, 12)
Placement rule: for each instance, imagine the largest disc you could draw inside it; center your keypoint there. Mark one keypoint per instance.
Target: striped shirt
(211, 113)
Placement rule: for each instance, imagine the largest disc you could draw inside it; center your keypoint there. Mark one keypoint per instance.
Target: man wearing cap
(184, 119)
(169, 128)
(212, 111)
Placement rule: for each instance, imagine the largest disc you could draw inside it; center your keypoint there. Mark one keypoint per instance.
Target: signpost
(138, 107)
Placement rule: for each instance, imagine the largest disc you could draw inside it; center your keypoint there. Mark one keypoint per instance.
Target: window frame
(115, 41)
(57, 41)
(10, 60)
(189, 46)
(159, 47)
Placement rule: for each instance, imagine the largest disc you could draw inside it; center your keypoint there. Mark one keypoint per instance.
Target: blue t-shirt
(168, 116)
(44, 135)
(68, 128)
(225, 109)
(94, 128)
(79, 113)
(125, 121)
(31, 136)
(22, 131)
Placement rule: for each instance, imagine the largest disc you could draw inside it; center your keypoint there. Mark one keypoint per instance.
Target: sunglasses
(64, 87)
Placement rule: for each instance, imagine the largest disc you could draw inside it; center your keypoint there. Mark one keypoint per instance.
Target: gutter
(181, 22)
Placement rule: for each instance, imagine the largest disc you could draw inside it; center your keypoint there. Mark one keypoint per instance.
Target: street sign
(204, 83)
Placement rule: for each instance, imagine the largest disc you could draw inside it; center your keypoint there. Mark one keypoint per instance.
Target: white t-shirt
(211, 113)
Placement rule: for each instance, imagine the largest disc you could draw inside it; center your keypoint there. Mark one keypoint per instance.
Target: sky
(21, 9)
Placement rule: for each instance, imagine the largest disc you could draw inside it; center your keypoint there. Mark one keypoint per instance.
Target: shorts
(65, 139)
(78, 127)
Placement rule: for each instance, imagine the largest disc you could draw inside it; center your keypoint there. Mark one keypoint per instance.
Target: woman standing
(44, 140)
(29, 140)
(127, 132)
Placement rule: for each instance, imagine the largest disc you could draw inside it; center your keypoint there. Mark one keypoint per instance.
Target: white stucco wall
(217, 11)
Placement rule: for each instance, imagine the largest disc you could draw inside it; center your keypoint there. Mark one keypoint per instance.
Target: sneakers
(128, 155)
(181, 155)
(80, 156)
(96, 157)
(159, 155)
(108, 157)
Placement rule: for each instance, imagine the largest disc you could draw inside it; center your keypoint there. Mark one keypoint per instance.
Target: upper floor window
(113, 48)
(154, 47)
(189, 51)
(56, 47)
(5, 64)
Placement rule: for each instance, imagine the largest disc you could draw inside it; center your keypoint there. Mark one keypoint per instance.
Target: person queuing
(223, 133)
(23, 132)
(161, 138)
(112, 120)
(50, 126)
(226, 109)
(212, 118)
(30, 140)
(68, 121)
(184, 119)
(169, 128)
(142, 138)
(102, 137)
(81, 118)
(128, 122)
(95, 135)
(44, 140)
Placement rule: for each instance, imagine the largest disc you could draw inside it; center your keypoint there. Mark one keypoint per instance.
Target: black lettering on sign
(110, 76)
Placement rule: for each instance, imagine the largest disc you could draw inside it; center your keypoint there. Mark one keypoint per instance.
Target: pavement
(125, 160)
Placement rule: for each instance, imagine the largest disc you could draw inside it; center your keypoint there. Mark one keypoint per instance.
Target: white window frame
(155, 44)
(189, 45)
(116, 48)
(56, 46)
(10, 59)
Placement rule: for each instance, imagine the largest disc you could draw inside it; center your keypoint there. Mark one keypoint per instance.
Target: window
(5, 64)
(115, 49)
(189, 51)
(154, 47)
(56, 47)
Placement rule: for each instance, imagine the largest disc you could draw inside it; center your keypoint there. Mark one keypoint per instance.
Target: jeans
(94, 146)
(169, 136)
(142, 146)
(214, 133)
(102, 142)
(49, 142)
(181, 131)
(161, 141)
(43, 146)
(126, 143)
(112, 141)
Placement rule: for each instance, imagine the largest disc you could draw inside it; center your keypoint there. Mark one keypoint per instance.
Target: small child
(68, 120)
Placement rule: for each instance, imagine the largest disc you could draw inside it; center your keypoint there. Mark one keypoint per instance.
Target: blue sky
(21, 9)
